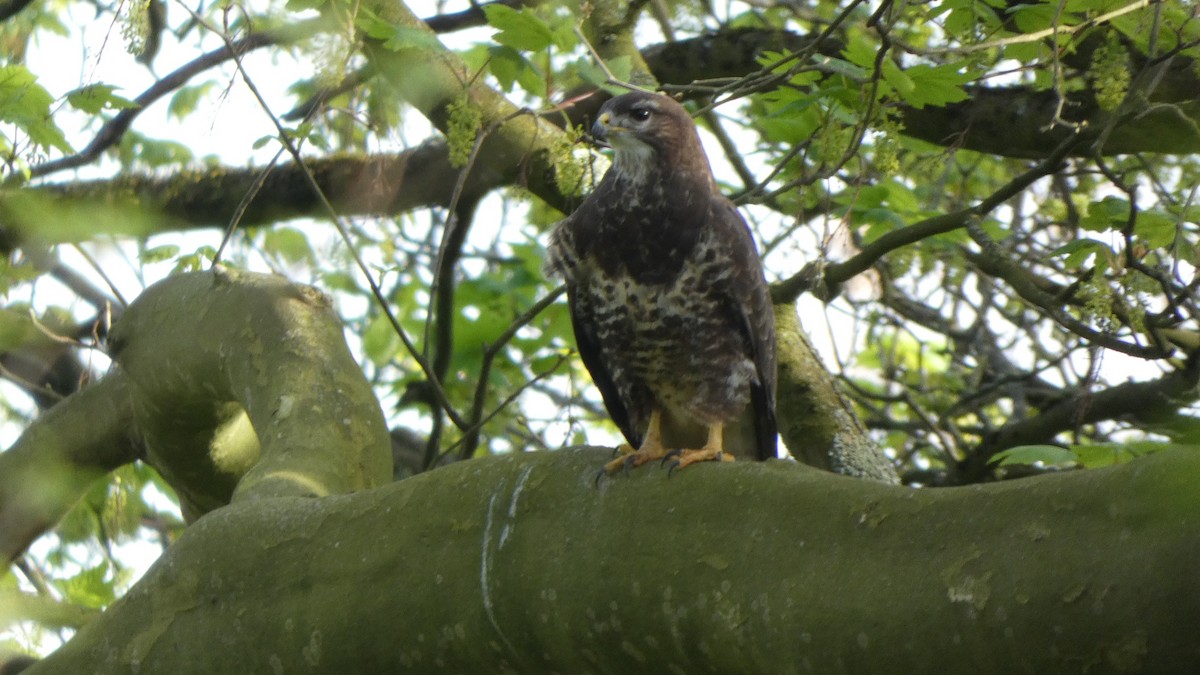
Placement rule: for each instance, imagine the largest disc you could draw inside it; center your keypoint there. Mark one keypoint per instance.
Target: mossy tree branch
(745, 568)
(234, 386)
(243, 387)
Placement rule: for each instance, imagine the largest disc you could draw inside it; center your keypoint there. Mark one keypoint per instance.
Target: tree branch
(1143, 401)
(838, 273)
(816, 424)
(70, 445)
(110, 134)
(231, 376)
(817, 593)
(994, 261)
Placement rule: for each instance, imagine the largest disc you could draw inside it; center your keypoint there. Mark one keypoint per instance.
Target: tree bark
(523, 564)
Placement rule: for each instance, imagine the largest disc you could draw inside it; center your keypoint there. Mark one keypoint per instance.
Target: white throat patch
(632, 159)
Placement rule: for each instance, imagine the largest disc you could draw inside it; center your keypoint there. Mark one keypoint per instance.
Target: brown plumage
(671, 312)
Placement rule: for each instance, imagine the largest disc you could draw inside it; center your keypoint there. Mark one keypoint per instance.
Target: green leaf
(15, 272)
(158, 254)
(1079, 251)
(901, 83)
(506, 64)
(519, 29)
(16, 329)
(621, 67)
(90, 588)
(184, 102)
(1106, 214)
(1050, 455)
(1032, 17)
(405, 37)
(960, 21)
(96, 97)
(164, 153)
(336, 280)
(591, 73)
(533, 81)
(194, 262)
(564, 33)
(860, 57)
(1158, 229)
(289, 244)
(509, 65)
(45, 219)
(1106, 454)
(930, 85)
(380, 341)
(395, 38)
(26, 104)
(1179, 427)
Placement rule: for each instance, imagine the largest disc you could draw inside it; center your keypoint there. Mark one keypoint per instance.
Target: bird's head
(647, 131)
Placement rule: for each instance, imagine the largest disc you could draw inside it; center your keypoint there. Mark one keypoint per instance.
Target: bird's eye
(640, 114)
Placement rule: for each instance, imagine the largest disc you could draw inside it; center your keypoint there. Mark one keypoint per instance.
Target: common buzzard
(671, 312)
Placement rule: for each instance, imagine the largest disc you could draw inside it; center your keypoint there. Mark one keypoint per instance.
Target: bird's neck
(635, 166)
(640, 165)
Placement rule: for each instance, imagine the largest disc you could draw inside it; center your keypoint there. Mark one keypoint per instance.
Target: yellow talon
(712, 450)
(652, 449)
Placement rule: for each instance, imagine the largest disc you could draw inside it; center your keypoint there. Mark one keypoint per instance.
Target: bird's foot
(628, 458)
(681, 458)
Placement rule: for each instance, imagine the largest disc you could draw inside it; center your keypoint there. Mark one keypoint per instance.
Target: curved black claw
(599, 474)
(628, 465)
(671, 454)
(671, 469)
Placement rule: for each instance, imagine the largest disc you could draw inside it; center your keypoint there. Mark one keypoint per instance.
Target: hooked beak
(600, 129)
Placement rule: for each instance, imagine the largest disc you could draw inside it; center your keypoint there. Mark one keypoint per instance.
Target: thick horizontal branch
(382, 185)
(522, 564)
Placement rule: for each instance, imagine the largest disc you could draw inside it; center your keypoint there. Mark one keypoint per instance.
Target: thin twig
(788, 289)
(473, 432)
(612, 79)
(112, 131)
(470, 440)
(1054, 30)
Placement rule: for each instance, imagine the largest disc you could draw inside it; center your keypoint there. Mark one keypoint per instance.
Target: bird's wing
(589, 350)
(750, 303)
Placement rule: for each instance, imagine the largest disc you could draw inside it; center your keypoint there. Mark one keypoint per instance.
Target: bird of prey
(670, 308)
